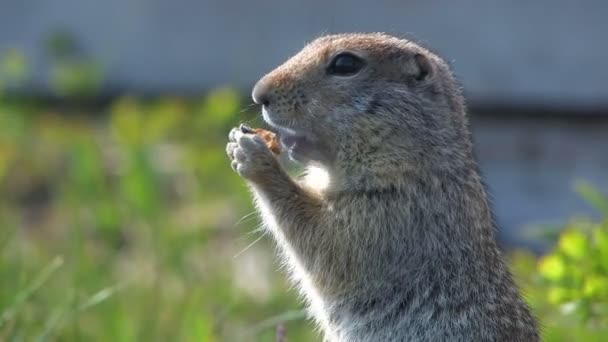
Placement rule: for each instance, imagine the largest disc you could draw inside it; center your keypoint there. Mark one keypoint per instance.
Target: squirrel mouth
(297, 145)
(291, 141)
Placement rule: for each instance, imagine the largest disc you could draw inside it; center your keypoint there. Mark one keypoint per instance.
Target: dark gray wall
(547, 52)
(531, 165)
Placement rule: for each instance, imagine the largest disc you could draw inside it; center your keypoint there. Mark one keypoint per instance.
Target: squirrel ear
(424, 67)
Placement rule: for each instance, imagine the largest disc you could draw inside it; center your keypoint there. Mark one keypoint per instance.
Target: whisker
(256, 230)
(247, 107)
(249, 246)
(242, 219)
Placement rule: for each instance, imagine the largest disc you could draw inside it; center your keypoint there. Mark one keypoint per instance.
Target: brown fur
(398, 245)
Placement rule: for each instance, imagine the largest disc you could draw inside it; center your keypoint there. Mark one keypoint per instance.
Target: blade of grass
(24, 295)
(63, 317)
(99, 297)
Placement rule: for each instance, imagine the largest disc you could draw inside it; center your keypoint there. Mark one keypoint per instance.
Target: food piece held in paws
(269, 138)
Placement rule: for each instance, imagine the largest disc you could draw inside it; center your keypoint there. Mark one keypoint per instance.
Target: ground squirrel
(398, 244)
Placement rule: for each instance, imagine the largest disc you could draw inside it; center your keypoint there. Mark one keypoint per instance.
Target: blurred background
(120, 218)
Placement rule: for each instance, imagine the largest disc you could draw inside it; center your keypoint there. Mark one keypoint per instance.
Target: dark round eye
(345, 64)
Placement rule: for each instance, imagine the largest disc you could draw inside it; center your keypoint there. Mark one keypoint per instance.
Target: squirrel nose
(261, 93)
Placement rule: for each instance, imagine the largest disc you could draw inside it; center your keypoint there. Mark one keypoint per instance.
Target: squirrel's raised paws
(249, 156)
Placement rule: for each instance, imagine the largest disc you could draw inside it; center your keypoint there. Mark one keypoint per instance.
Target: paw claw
(249, 155)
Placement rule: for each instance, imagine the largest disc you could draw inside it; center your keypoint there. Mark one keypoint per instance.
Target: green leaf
(573, 243)
(595, 285)
(558, 295)
(552, 267)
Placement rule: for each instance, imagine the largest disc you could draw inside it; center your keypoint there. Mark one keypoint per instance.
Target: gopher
(398, 242)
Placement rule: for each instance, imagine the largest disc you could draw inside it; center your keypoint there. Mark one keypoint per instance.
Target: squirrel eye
(345, 64)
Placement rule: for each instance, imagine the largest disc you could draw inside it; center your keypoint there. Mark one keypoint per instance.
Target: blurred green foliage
(129, 224)
(126, 223)
(73, 74)
(568, 287)
(13, 69)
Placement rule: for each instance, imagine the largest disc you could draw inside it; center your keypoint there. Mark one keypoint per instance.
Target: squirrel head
(367, 106)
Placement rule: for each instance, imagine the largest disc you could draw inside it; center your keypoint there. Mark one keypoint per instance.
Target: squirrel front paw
(250, 157)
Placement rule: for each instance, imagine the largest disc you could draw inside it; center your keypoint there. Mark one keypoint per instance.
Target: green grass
(129, 225)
